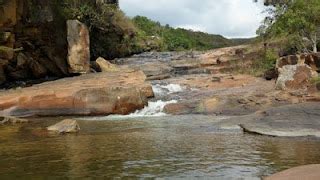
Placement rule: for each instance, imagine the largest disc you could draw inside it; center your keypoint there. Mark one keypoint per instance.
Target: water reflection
(170, 147)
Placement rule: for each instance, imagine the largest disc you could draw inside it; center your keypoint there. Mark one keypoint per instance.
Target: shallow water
(159, 147)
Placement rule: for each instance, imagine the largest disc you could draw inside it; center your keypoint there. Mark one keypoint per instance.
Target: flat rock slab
(287, 121)
(308, 172)
(91, 94)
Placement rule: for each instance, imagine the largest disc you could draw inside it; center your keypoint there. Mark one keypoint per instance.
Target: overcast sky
(230, 18)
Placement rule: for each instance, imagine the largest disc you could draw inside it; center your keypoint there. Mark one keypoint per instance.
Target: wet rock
(78, 47)
(91, 94)
(287, 121)
(106, 66)
(6, 52)
(12, 120)
(65, 126)
(294, 77)
(310, 172)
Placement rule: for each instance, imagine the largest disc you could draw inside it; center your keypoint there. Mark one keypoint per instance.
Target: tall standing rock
(78, 47)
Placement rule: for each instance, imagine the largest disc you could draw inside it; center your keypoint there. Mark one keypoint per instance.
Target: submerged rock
(65, 126)
(90, 94)
(12, 120)
(310, 172)
(294, 77)
(79, 47)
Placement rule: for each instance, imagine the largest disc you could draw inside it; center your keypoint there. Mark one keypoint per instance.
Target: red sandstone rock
(309, 172)
(91, 94)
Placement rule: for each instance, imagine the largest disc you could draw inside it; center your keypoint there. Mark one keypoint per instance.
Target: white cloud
(231, 18)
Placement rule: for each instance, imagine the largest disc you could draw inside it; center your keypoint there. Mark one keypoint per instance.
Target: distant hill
(166, 38)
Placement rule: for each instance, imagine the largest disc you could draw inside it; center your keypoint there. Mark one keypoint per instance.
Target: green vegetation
(298, 21)
(316, 80)
(112, 34)
(171, 39)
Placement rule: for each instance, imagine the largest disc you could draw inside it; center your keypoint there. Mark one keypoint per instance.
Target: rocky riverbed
(165, 115)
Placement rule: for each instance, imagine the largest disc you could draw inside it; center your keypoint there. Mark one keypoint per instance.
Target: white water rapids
(154, 108)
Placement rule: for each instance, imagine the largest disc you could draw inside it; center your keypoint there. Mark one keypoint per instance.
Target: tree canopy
(296, 19)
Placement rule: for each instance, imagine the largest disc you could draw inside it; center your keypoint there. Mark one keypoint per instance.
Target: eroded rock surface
(91, 94)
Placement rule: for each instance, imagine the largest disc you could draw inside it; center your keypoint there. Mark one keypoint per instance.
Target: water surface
(160, 147)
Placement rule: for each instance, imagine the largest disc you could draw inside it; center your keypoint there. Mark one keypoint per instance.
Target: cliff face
(33, 39)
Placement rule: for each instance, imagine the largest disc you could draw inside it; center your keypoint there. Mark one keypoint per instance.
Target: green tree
(298, 19)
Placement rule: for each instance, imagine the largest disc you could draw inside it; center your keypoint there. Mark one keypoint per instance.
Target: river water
(148, 144)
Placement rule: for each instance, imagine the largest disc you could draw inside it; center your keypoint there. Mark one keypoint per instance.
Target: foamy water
(153, 109)
(160, 90)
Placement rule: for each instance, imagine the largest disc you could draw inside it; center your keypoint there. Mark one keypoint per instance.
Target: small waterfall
(154, 108)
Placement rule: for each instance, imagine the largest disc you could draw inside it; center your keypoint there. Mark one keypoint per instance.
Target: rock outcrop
(309, 172)
(287, 121)
(294, 77)
(78, 47)
(65, 126)
(91, 94)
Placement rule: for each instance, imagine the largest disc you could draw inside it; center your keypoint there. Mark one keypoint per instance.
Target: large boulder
(78, 47)
(294, 77)
(65, 126)
(90, 94)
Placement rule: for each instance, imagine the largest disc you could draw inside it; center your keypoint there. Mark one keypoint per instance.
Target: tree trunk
(314, 44)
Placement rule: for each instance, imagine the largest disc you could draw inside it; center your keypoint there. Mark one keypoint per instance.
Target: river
(149, 144)
(158, 147)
